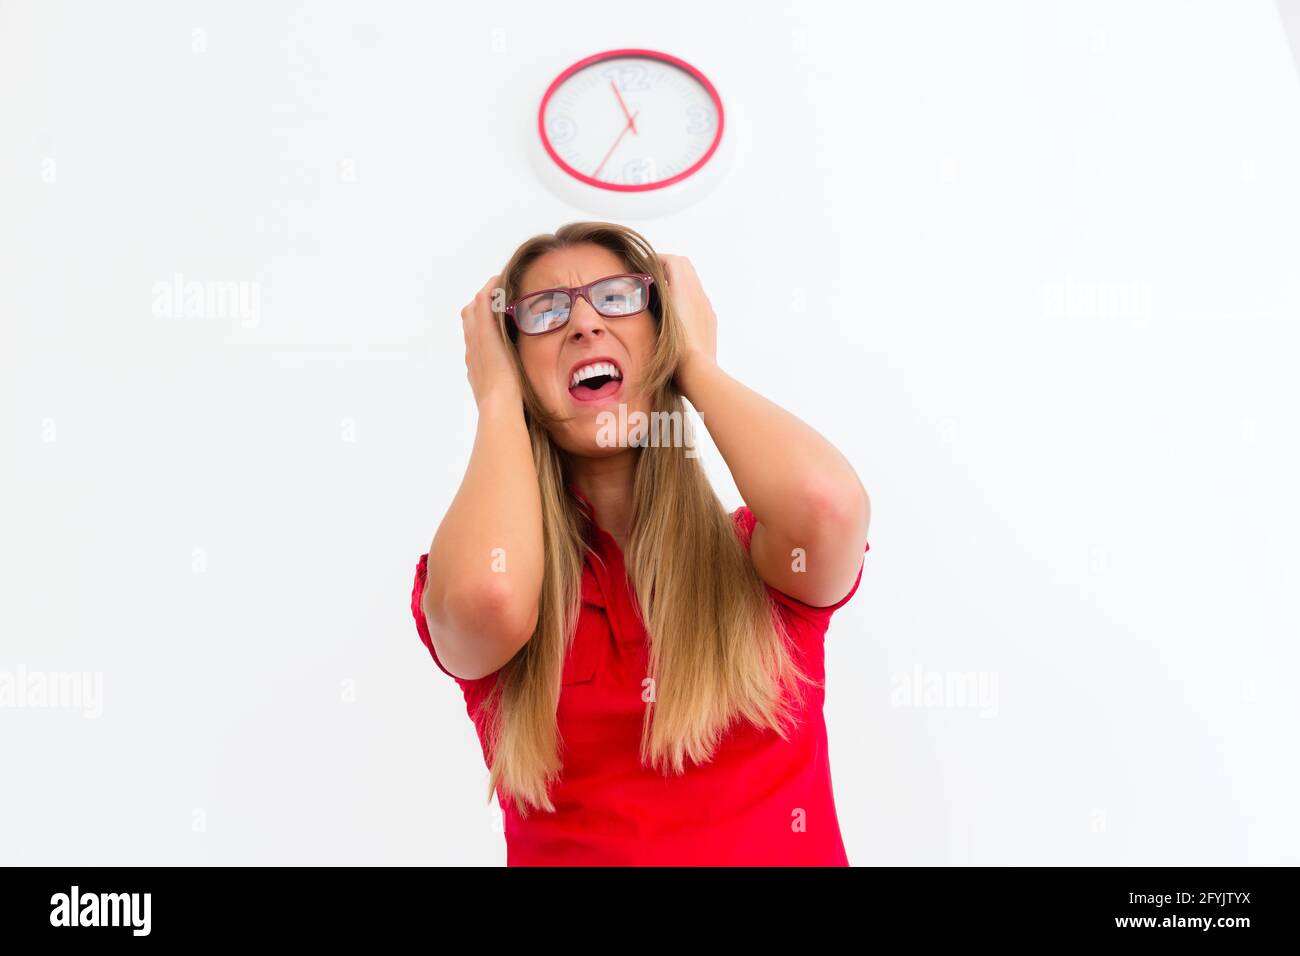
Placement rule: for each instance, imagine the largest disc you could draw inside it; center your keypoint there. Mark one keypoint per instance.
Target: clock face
(630, 120)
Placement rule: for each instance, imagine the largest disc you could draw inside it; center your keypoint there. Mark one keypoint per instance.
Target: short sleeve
(745, 522)
(417, 610)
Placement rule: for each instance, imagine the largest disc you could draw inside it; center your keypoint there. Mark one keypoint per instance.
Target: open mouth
(595, 380)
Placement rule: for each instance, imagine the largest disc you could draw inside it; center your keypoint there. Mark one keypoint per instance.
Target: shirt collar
(593, 583)
(606, 584)
(586, 502)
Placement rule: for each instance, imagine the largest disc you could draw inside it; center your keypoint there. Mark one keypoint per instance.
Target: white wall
(1091, 506)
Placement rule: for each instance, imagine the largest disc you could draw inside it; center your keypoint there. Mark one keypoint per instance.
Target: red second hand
(629, 126)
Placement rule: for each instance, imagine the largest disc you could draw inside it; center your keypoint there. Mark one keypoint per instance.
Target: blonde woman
(644, 670)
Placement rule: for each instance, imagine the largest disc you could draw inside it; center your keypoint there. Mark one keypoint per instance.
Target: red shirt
(761, 801)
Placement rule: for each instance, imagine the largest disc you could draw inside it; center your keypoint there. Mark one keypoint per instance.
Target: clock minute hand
(630, 117)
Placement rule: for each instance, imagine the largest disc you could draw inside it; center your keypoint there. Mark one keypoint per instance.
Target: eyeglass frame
(580, 292)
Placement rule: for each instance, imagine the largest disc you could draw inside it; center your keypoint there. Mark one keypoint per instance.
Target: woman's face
(550, 360)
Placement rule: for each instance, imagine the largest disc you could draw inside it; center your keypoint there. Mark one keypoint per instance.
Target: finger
(483, 298)
(483, 307)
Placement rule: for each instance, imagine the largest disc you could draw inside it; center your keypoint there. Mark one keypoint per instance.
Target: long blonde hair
(717, 653)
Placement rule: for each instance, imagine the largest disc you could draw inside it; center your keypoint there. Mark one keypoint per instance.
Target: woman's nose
(584, 319)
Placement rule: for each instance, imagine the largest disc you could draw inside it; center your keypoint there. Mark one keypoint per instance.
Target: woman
(645, 671)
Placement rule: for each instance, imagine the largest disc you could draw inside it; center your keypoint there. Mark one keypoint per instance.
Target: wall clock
(633, 132)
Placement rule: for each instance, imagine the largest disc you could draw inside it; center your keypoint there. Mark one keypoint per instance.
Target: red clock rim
(616, 54)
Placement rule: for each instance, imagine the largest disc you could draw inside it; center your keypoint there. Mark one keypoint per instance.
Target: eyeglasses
(613, 297)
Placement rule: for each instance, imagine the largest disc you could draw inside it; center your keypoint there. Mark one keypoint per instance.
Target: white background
(1091, 504)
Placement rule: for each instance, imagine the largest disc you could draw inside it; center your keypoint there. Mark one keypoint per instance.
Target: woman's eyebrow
(565, 288)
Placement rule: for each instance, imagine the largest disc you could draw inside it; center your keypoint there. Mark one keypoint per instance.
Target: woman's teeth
(593, 370)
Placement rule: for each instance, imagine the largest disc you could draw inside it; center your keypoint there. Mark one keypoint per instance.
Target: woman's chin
(603, 427)
(599, 433)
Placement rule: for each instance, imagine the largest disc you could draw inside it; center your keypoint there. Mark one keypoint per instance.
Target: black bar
(963, 905)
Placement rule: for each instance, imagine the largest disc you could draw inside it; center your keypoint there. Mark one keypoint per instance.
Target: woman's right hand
(488, 363)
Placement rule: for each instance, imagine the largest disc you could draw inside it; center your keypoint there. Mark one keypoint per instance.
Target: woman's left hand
(694, 311)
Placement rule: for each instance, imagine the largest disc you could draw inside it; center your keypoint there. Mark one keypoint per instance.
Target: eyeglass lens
(612, 297)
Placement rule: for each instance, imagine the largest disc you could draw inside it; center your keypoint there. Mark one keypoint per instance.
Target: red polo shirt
(761, 801)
